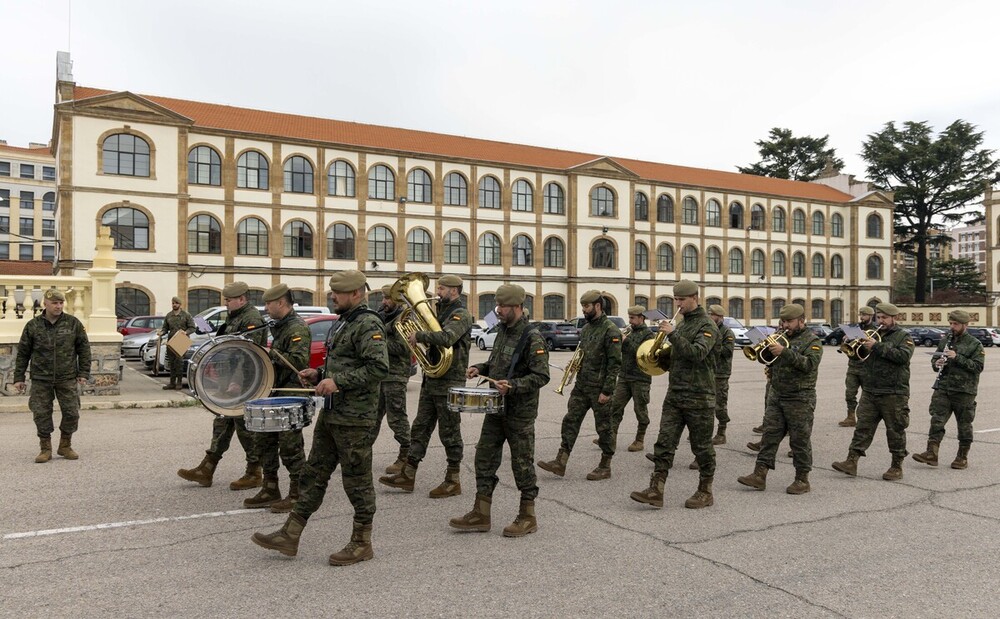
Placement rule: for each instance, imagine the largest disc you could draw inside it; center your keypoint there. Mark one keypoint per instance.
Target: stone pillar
(101, 321)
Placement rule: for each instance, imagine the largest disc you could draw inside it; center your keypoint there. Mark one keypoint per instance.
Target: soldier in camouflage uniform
(723, 357)
(241, 318)
(392, 397)
(690, 399)
(601, 347)
(56, 346)
(356, 362)
(791, 401)
(432, 408)
(885, 394)
(633, 384)
(519, 363)
(855, 368)
(175, 321)
(958, 362)
(291, 339)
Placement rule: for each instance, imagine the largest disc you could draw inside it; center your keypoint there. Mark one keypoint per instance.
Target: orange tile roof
(41, 151)
(214, 116)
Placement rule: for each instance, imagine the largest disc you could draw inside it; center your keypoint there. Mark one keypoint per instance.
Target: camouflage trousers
(349, 447)
(222, 434)
(722, 400)
(392, 404)
(580, 401)
(518, 430)
(432, 409)
(176, 365)
(627, 390)
(288, 445)
(43, 394)
(698, 416)
(791, 418)
(894, 410)
(852, 384)
(943, 404)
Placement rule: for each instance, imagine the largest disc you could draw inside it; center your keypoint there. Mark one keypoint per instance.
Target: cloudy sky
(690, 83)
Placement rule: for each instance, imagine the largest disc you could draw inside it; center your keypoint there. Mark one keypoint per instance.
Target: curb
(109, 405)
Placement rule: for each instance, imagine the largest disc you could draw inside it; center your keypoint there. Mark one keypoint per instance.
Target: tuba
(571, 369)
(760, 352)
(854, 348)
(418, 316)
(653, 356)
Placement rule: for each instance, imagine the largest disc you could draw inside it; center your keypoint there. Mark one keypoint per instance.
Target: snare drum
(227, 372)
(279, 414)
(475, 400)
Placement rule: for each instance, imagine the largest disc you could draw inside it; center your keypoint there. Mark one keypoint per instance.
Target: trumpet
(569, 373)
(855, 347)
(653, 356)
(760, 352)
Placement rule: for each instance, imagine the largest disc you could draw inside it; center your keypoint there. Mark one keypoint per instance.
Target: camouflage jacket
(630, 345)
(793, 373)
(601, 344)
(399, 352)
(692, 372)
(855, 365)
(57, 351)
(456, 323)
(887, 368)
(722, 353)
(530, 374)
(291, 339)
(357, 360)
(961, 374)
(245, 320)
(177, 321)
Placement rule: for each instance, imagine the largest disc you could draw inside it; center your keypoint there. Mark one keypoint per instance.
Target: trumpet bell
(653, 356)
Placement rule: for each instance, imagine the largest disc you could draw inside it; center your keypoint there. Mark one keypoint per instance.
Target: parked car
(559, 334)
(995, 334)
(982, 334)
(821, 331)
(477, 330)
(738, 329)
(141, 324)
(580, 321)
(486, 339)
(134, 345)
(926, 336)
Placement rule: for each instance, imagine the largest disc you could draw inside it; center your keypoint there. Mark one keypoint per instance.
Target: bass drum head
(227, 373)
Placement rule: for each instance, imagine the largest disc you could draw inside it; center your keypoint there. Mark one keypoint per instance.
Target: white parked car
(738, 330)
(995, 334)
(133, 345)
(485, 339)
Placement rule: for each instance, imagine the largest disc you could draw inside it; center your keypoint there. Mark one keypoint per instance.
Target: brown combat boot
(596, 441)
(253, 478)
(201, 474)
(358, 549)
(451, 486)
(45, 450)
(603, 470)
(895, 471)
(286, 504)
(961, 460)
(65, 449)
(476, 520)
(269, 494)
(170, 385)
(403, 480)
(850, 421)
(653, 495)
(759, 429)
(720, 435)
(638, 444)
(702, 496)
(801, 483)
(754, 446)
(286, 539)
(557, 466)
(400, 462)
(931, 455)
(849, 466)
(694, 465)
(524, 523)
(651, 457)
(757, 479)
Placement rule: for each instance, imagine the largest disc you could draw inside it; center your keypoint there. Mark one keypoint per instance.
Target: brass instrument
(417, 316)
(627, 332)
(855, 347)
(569, 373)
(760, 352)
(653, 356)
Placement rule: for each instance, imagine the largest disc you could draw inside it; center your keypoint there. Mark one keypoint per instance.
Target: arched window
(713, 301)
(529, 306)
(837, 267)
(301, 297)
(776, 305)
(799, 221)
(200, 299)
(252, 171)
(798, 264)
(641, 207)
(641, 257)
(602, 254)
(418, 246)
(778, 263)
(340, 179)
(131, 302)
(204, 166)
(713, 213)
(49, 201)
(665, 304)
(757, 217)
(778, 221)
(523, 251)
(554, 200)
(298, 239)
(836, 312)
(555, 253)
(456, 190)
(489, 192)
(554, 307)
(641, 300)
(665, 258)
(456, 248)
(418, 186)
(819, 265)
(689, 259)
(255, 296)
(487, 303)
(874, 267)
(522, 196)
(836, 225)
(689, 211)
(298, 175)
(713, 260)
(204, 235)
(665, 209)
(251, 237)
(818, 309)
(736, 215)
(381, 183)
(340, 242)
(757, 262)
(736, 308)
(381, 244)
(757, 309)
(125, 155)
(129, 227)
(602, 202)
(819, 224)
(874, 226)
(489, 249)
(800, 302)
(736, 261)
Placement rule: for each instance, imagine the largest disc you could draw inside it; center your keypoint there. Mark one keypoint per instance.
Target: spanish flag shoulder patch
(707, 333)
(540, 351)
(296, 339)
(615, 340)
(815, 347)
(377, 336)
(909, 342)
(456, 317)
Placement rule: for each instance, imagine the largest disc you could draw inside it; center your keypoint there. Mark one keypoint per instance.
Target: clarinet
(949, 345)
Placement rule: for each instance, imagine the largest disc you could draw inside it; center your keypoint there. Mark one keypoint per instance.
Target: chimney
(37, 145)
(64, 77)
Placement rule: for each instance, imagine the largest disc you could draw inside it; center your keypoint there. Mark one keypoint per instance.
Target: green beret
(54, 295)
(887, 308)
(235, 289)
(867, 311)
(717, 310)
(175, 300)
(961, 316)
(685, 288)
(636, 310)
(509, 294)
(275, 292)
(453, 281)
(386, 290)
(347, 281)
(591, 296)
(791, 312)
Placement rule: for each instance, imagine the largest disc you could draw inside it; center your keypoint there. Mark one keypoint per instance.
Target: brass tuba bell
(653, 356)
(417, 316)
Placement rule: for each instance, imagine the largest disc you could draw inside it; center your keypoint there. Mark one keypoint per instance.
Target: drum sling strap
(518, 351)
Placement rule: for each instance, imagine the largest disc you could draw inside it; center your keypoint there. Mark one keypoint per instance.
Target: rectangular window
(27, 171)
(28, 200)
(554, 308)
(4, 168)
(4, 224)
(48, 252)
(757, 308)
(4, 251)
(27, 252)
(27, 227)
(49, 227)
(48, 173)
(4, 198)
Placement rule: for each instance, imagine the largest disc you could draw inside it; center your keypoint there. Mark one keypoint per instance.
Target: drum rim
(197, 366)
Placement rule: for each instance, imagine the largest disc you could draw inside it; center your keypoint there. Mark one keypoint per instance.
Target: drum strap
(521, 343)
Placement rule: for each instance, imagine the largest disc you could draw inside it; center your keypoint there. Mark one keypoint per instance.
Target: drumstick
(487, 378)
(285, 361)
(296, 389)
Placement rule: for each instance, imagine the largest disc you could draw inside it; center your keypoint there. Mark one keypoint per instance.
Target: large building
(199, 194)
(27, 204)
(969, 242)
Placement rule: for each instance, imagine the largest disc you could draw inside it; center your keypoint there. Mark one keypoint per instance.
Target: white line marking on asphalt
(985, 431)
(127, 523)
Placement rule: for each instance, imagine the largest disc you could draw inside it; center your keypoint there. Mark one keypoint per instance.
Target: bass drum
(229, 371)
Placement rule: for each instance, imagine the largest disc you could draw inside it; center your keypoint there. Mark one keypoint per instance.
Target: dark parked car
(982, 334)
(926, 336)
(821, 331)
(559, 334)
(141, 324)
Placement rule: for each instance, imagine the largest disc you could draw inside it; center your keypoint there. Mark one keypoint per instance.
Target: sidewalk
(138, 390)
